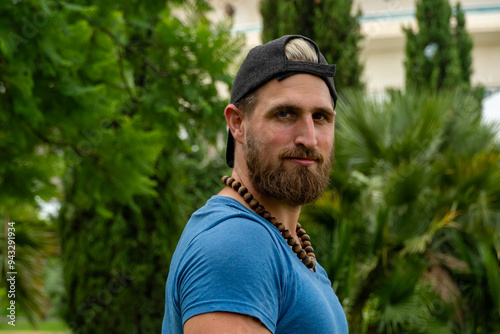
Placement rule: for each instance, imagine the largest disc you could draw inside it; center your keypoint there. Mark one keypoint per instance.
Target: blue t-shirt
(230, 259)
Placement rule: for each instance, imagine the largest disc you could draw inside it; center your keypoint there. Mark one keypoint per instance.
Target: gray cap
(266, 62)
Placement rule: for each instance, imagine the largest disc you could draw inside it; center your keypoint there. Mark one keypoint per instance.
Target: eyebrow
(295, 108)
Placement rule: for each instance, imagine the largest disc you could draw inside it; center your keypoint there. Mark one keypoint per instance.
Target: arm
(224, 323)
(234, 269)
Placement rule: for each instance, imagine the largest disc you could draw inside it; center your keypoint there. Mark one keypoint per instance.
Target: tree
(329, 23)
(26, 245)
(112, 107)
(409, 230)
(464, 45)
(26, 170)
(438, 56)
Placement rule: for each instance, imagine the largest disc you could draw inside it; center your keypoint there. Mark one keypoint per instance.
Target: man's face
(290, 139)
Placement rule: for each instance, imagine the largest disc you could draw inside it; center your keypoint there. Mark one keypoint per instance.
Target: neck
(283, 212)
(298, 240)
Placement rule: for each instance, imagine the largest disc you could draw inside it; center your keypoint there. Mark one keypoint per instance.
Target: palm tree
(34, 241)
(410, 231)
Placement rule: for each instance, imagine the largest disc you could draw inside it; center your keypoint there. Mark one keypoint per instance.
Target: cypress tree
(329, 23)
(438, 56)
(464, 45)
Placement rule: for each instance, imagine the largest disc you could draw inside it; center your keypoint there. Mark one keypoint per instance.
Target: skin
(292, 112)
(224, 323)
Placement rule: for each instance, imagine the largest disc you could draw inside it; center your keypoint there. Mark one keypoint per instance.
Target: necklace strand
(304, 250)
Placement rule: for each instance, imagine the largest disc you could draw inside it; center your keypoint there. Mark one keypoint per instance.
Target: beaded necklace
(304, 250)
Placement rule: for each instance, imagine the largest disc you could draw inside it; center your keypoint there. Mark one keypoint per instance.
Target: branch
(58, 143)
(127, 47)
(122, 74)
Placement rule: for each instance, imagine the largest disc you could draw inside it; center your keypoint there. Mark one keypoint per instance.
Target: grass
(50, 326)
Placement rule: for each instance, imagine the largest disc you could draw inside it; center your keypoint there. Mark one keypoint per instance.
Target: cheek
(326, 140)
(275, 137)
(282, 138)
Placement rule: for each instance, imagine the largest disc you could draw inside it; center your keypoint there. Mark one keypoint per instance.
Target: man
(243, 264)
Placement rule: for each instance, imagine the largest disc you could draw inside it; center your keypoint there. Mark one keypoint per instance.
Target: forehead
(305, 91)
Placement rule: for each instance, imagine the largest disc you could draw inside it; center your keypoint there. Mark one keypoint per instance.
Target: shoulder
(224, 233)
(240, 242)
(232, 264)
(224, 222)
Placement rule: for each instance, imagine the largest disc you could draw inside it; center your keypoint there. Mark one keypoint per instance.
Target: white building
(383, 48)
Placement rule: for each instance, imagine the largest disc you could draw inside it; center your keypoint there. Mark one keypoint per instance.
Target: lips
(303, 157)
(302, 161)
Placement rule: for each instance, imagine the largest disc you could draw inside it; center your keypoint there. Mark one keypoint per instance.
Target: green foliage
(113, 108)
(34, 241)
(464, 45)
(329, 23)
(409, 231)
(438, 56)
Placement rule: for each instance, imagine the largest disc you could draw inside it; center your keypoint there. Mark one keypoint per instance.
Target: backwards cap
(266, 62)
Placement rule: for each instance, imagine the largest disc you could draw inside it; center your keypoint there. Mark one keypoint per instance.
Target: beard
(294, 185)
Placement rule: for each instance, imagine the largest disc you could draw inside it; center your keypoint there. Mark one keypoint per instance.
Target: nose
(306, 133)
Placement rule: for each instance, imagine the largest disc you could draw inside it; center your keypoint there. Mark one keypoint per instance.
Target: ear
(234, 118)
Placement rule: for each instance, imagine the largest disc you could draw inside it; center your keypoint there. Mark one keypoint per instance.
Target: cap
(266, 62)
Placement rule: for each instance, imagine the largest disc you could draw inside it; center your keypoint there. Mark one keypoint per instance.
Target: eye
(321, 117)
(324, 116)
(283, 114)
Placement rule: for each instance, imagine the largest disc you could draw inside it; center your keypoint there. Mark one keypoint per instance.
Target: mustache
(301, 153)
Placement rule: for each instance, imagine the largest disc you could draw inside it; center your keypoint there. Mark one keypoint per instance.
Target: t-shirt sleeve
(231, 268)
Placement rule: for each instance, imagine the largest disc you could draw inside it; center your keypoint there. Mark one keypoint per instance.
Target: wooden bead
(242, 191)
(301, 232)
(312, 264)
(298, 226)
(266, 215)
(236, 185)
(224, 179)
(253, 204)
(259, 210)
(311, 255)
(286, 234)
(247, 197)
(297, 249)
(307, 261)
(281, 227)
(230, 181)
(301, 254)
(304, 244)
(291, 241)
(305, 237)
(273, 220)
(309, 249)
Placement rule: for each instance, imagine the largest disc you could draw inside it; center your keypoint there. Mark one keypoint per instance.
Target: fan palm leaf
(409, 230)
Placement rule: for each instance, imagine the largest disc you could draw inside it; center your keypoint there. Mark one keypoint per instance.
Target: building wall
(383, 47)
(383, 50)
